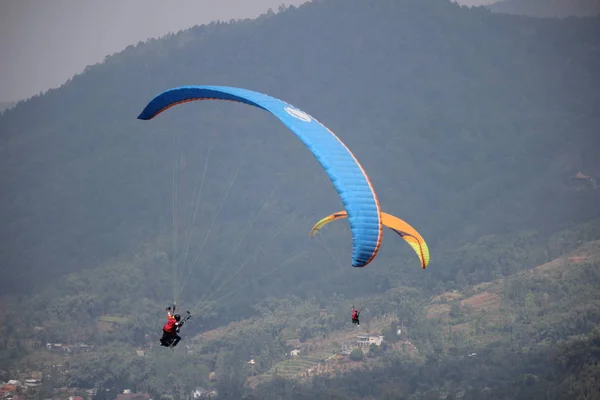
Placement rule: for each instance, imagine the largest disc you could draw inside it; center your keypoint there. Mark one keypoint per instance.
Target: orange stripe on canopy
(401, 227)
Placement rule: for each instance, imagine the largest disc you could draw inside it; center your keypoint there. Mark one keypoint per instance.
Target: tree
(374, 350)
(356, 355)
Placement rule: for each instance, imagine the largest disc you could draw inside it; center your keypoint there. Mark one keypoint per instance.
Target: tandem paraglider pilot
(170, 329)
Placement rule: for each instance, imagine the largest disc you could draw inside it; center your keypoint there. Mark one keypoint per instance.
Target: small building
(127, 395)
(201, 393)
(295, 352)
(345, 350)
(30, 383)
(8, 389)
(365, 341)
(85, 347)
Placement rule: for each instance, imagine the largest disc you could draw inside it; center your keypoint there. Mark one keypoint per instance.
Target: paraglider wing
(402, 228)
(342, 167)
(410, 235)
(328, 219)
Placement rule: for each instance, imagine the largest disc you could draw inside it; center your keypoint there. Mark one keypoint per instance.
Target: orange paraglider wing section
(401, 227)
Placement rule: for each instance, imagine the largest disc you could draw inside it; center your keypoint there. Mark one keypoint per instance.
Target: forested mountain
(548, 8)
(463, 134)
(480, 129)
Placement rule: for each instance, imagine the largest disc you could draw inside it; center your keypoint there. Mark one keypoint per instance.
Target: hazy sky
(43, 43)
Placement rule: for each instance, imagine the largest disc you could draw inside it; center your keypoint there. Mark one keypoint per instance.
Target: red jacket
(354, 314)
(170, 325)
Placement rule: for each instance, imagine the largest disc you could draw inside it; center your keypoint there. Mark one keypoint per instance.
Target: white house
(368, 340)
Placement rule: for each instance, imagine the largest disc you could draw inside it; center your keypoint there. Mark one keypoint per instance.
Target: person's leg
(176, 339)
(164, 339)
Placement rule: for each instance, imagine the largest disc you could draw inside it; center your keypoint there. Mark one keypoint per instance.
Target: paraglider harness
(185, 318)
(173, 338)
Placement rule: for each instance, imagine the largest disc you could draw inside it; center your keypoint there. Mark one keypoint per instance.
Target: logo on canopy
(301, 115)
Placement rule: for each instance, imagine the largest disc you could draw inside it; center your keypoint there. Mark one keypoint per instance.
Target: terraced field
(300, 364)
(296, 367)
(323, 359)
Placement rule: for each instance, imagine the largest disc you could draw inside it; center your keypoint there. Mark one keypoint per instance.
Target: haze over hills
(34, 33)
(6, 104)
(548, 8)
(479, 129)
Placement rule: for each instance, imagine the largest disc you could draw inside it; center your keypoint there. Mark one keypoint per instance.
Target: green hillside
(532, 316)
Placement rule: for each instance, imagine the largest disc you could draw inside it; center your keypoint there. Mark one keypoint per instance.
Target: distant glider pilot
(355, 315)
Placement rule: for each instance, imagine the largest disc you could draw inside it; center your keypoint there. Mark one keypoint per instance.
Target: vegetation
(473, 127)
